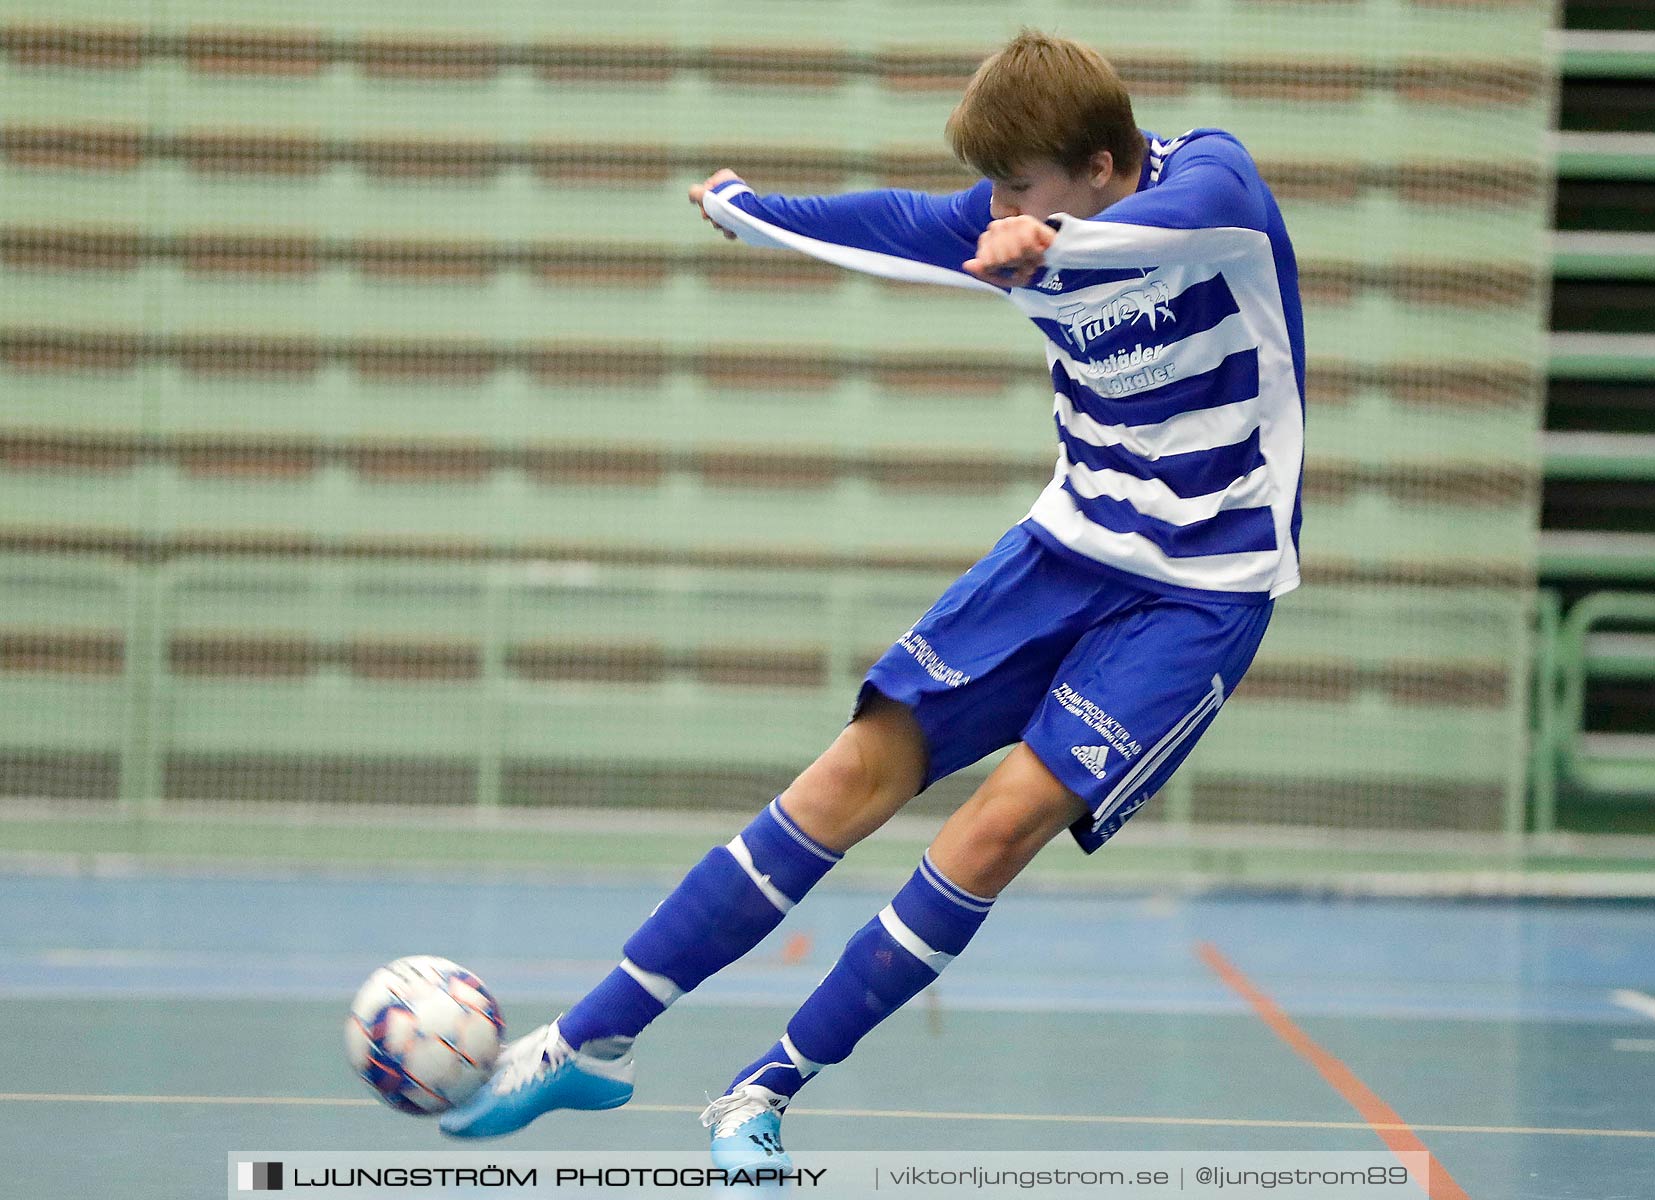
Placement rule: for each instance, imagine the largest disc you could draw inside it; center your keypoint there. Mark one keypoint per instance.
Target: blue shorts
(1108, 683)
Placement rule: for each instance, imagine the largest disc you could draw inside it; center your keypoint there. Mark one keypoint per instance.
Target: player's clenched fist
(1010, 251)
(698, 190)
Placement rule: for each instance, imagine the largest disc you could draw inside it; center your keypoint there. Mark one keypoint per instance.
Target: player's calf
(739, 892)
(884, 965)
(723, 908)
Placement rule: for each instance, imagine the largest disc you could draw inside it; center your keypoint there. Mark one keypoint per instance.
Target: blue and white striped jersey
(1175, 341)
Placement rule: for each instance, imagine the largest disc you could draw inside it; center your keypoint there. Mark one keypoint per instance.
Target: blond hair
(1044, 97)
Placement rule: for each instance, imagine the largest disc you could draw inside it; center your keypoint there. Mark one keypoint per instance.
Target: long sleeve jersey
(1174, 339)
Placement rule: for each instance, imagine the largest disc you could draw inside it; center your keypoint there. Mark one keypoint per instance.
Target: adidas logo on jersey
(1093, 758)
(1051, 283)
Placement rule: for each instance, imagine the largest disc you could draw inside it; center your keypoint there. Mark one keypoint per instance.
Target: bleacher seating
(379, 425)
(1598, 519)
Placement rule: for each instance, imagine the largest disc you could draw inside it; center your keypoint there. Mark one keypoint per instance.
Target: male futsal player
(1099, 637)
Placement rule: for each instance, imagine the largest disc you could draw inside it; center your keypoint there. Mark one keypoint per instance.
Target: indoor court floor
(160, 1020)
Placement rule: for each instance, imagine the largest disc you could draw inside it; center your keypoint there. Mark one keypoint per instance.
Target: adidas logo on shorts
(1093, 758)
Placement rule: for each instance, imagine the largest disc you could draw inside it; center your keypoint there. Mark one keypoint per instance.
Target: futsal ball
(423, 1034)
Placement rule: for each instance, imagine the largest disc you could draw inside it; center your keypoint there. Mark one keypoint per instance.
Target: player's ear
(1101, 168)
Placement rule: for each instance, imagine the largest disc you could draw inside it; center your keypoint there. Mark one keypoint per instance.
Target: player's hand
(1010, 251)
(699, 190)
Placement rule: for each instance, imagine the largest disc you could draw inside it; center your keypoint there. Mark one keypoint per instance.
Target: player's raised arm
(1010, 251)
(893, 233)
(1209, 207)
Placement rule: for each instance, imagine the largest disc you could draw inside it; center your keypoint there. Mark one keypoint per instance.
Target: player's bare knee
(985, 844)
(872, 769)
(844, 774)
(1004, 826)
(994, 835)
(889, 737)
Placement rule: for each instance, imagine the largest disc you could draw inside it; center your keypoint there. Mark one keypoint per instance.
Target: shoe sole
(477, 1137)
(773, 1164)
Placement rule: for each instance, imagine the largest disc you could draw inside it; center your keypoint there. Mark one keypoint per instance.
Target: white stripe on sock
(804, 1066)
(752, 1081)
(950, 890)
(738, 850)
(798, 835)
(659, 986)
(934, 960)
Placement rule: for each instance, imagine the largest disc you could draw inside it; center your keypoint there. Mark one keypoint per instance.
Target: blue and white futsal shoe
(746, 1124)
(539, 1073)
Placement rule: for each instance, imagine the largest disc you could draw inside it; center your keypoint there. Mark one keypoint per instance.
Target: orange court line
(1381, 1117)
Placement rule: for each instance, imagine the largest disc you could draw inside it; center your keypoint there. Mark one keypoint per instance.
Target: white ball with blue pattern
(423, 1033)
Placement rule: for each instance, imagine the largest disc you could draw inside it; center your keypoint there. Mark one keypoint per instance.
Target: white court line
(873, 1113)
(88, 1098)
(1635, 1045)
(1637, 1002)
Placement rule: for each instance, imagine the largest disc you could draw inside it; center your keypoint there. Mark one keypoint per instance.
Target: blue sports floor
(158, 1021)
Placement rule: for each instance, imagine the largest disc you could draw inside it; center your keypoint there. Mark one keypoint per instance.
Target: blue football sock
(723, 908)
(885, 964)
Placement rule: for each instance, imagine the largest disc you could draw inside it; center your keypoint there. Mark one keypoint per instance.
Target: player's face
(1040, 187)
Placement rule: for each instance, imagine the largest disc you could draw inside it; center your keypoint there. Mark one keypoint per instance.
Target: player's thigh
(992, 836)
(1134, 696)
(977, 662)
(874, 767)
(958, 685)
